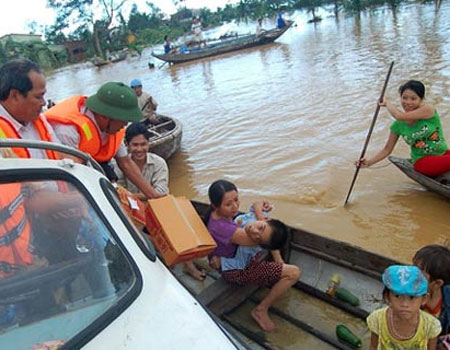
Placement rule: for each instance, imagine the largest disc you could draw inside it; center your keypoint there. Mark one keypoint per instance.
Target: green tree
(84, 13)
(3, 57)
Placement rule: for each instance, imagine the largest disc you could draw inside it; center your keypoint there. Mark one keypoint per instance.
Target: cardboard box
(177, 230)
(132, 206)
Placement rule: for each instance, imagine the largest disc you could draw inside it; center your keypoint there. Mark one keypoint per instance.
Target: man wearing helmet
(95, 125)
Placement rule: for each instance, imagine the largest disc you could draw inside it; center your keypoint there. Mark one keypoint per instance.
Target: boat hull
(440, 184)
(166, 136)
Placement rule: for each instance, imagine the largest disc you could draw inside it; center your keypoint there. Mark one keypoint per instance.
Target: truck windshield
(60, 267)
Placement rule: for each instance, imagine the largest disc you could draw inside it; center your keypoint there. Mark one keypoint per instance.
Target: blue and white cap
(405, 280)
(135, 82)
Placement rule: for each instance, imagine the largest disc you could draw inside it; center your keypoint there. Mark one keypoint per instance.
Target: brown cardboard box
(177, 230)
(132, 206)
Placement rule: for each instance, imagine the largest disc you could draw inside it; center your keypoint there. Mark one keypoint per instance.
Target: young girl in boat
(420, 126)
(434, 261)
(245, 266)
(402, 325)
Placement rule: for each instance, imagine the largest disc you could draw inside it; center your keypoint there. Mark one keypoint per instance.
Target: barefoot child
(245, 266)
(434, 261)
(402, 325)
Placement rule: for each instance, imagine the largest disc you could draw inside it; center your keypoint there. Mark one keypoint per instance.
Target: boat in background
(112, 58)
(99, 62)
(439, 184)
(165, 137)
(221, 46)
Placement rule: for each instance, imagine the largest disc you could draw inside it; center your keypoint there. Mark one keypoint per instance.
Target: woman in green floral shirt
(420, 126)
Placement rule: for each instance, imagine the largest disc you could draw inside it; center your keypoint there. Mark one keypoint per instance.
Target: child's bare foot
(262, 319)
(193, 271)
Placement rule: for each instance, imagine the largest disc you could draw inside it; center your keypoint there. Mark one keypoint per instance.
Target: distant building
(28, 46)
(76, 50)
(20, 38)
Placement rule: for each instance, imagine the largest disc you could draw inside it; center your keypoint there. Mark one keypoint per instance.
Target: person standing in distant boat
(420, 126)
(146, 102)
(259, 29)
(281, 22)
(197, 31)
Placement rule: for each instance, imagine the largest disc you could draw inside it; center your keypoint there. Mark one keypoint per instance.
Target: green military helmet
(116, 101)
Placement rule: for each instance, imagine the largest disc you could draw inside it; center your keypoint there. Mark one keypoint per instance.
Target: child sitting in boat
(402, 324)
(246, 266)
(434, 261)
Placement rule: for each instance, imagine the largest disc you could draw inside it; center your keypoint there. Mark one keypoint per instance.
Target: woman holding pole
(420, 126)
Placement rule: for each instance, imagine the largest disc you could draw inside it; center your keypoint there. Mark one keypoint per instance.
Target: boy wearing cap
(147, 103)
(95, 125)
(402, 324)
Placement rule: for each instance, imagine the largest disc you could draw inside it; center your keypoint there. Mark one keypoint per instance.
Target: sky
(15, 17)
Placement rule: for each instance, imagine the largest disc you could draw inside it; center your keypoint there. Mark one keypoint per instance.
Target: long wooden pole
(374, 119)
(163, 64)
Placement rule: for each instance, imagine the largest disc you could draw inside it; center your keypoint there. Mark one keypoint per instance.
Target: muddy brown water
(286, 121)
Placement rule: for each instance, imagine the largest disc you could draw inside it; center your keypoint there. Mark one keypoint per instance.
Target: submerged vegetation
(101, 27)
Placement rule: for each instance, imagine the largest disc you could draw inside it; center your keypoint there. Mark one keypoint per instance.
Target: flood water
(286, 122)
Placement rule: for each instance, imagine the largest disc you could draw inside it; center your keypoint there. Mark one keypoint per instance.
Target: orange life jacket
(68, 112)
(8, 131)
(14, 230)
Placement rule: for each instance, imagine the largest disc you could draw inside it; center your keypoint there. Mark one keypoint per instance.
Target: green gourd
(347, 296)
(346, 335)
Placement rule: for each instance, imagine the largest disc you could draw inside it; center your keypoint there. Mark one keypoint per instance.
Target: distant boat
(113, 58)
(218, 47)
(98, 62)
(165, 137)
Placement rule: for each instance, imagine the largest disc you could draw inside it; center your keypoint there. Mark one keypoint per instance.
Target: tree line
(101, 25)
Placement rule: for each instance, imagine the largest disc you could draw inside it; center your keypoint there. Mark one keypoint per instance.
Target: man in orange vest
(22, 89)
(96, 125)
(14, 231)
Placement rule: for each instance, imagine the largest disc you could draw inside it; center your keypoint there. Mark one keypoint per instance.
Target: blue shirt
(280, 21)
(241, 259)
(244, 254)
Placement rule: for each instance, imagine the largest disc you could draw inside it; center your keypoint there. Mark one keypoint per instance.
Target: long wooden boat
(440, 184)
(307, 316)
(166, 136)
(223, 46)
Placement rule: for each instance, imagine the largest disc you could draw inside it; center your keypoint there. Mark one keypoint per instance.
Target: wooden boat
(115, 57)
(218, 47)
(166, 136)
(307, 316)
(440, 184)
(99, 62)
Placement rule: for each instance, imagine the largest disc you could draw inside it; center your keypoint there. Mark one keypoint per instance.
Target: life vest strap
(7, 268)
(8, 211)
(13, 234)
